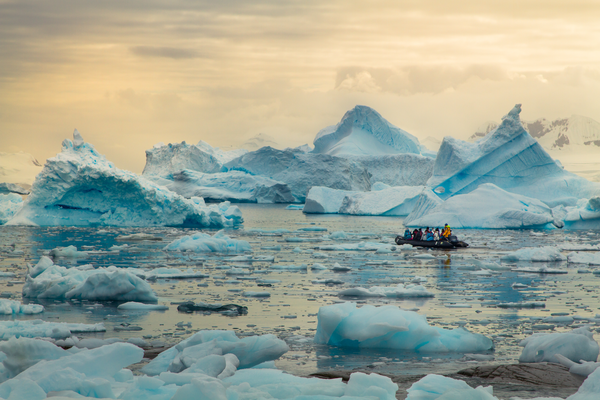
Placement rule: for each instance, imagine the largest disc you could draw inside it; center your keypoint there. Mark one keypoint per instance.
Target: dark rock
(189, 307)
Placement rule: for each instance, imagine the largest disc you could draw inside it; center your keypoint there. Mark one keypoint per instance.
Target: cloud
(165, 52)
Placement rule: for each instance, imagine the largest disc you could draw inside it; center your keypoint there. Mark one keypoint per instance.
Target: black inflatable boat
(437, 244)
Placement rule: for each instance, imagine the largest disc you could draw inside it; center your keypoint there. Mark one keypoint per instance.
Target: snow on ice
(10, 204)
(80, 187)
(579, 344)
(399, 291)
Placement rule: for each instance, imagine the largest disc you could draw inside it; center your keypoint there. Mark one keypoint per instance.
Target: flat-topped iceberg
(399, 291)
(79, 187)
(167, 159)
(488, 206)
(391, 201)
(511, 159)
(389, 327)
(42, 329)
(236, 186)
(50, 281)
(301, 171)
(363, 131)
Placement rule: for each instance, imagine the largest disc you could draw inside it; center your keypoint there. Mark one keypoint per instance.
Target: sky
(129, 74)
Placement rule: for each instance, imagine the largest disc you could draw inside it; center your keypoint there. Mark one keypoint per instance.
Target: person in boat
(429, 237)
(421, 234)
(447, 232)
(407, 234)
(415, 234)
(436, 234)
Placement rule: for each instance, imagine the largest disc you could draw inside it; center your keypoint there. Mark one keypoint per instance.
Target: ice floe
(399, 291)
(205, 243)
(579, 344)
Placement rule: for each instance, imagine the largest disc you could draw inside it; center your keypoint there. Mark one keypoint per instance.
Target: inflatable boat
(454, 243)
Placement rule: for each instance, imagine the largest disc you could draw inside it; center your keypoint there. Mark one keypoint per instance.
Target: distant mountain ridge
(559, 134)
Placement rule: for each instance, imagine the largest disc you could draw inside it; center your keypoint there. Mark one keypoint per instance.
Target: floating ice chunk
(458, 305)
(173, 273)
(579, 344)
(10, 204)
(318, 266)
(433, 387)
(589, 389)
(579, 247)
(301, 267)
(202, 242)
(256, 294)
(8, 307)
(584, 258)
(299, 207)
(522, 304)
(250, 351)
(399, 291)
(79, 187)
(345, 325)
(338, 235)
(68, 252)
(540, 270)
(134, 306)
(323, 200)
(85, 283)
(582, 368)
(139, 237)
(535, 254)
(22, 353)
(339, 268)
(39, 328)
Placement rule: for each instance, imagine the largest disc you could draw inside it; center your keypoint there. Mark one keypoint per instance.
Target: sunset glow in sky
(128, 74)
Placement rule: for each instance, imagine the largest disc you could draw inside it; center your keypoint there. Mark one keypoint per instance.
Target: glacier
(235, 186)
(511, 159)
(79, 187)
(301, 171)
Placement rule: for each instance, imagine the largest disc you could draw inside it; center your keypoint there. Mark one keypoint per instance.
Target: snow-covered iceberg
(8, 307)
(393, 201)
(50, 281)
(80, 187)
(513, 160)
(301, 171)
(222, 156)
(397, 169)
(488, 206)
(236, 186)
(363, 131)
(346, 325)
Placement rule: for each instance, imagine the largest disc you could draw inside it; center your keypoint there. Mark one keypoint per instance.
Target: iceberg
(41, 329)
(585, 215)
(235, 186)
(171, 158)
(204, 243)
(301, 171)
(10, 204)
(79, 187)
(50, 281)
(222, 156)
(488, 206)
(9, 307)
(389, 327)
(434, 386)
(511, 159)
(535, 254)
(579, 344)
(363, 131)
(397, 169)
(392, 201)
(399, 291)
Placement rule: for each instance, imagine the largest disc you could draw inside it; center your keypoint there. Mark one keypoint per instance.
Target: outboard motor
(453, 239)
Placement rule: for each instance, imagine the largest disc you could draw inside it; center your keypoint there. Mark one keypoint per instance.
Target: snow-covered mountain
(364, 132)
(558, 134)
(258, 141)
(20, 168)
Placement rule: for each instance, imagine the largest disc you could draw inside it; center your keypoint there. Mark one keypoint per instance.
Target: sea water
(464, 295)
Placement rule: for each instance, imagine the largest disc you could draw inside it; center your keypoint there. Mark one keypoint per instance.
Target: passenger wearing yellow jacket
(447, 232)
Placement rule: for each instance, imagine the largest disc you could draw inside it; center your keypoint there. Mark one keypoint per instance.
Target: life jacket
(447, 232)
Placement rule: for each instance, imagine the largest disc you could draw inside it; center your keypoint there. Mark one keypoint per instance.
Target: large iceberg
(488, 206)
(50, 281)
(10, 204)
(167, 159)
(512, 160)
(80, 187)
(393, 201)
(301, 171)
(364, 132)
(236, 186)
(346, 325)
(397, 169)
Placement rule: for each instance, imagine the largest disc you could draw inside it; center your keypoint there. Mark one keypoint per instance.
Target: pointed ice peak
(77, 139)
(514, 113)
